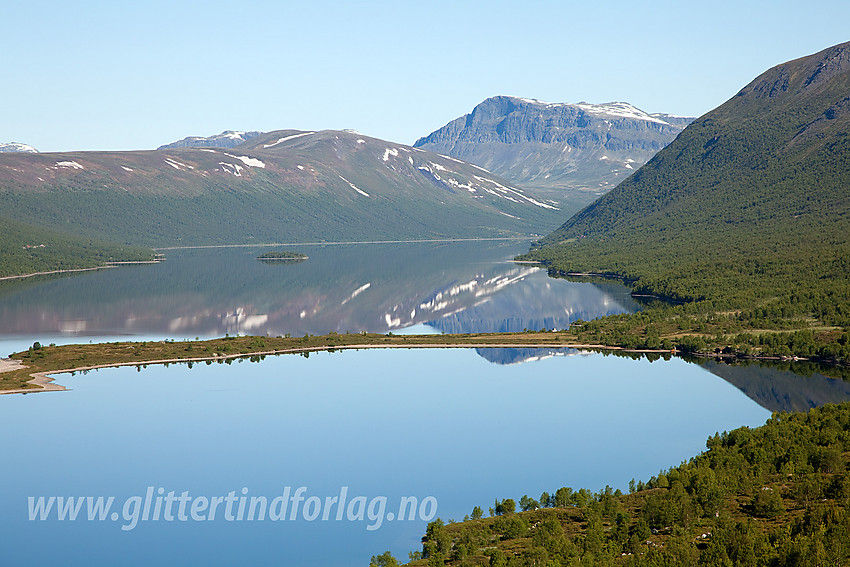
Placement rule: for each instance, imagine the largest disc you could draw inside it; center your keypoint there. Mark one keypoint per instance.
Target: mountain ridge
(285, 185)
(17, 147)
(577, 150)
(763, 126)
(744, 220)
(227, 139)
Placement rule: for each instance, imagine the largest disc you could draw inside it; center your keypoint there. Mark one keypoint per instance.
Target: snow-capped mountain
(576, 150)
(17, 147)
(281, 186)
(227, 139)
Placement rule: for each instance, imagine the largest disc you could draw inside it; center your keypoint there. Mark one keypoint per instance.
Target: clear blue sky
(134, 75)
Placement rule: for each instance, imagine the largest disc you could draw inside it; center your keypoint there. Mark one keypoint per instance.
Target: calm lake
(452, 428)
(452, 287)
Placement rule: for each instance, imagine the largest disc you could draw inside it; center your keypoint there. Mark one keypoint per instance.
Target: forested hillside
(28, 249)
(777, 495)
(745, 216)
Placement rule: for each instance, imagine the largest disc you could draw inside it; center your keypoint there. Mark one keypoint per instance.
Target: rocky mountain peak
(227, 139)
(568, 150)
(17, 147)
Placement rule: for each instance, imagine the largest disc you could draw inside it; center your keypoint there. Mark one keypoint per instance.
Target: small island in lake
(282, 257)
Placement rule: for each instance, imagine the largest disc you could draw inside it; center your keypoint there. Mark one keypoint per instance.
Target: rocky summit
(17, 147)
(575, 150)
(227, 139)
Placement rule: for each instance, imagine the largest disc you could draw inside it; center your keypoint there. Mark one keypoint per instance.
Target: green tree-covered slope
(776, 495)
(28, 249)
(747, 212)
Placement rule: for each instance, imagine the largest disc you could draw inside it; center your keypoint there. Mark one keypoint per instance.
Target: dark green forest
(742, 223)
(28, 249)
(776, 495)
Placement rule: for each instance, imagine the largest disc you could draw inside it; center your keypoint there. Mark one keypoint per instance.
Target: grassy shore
(88, 356)
(39, 361)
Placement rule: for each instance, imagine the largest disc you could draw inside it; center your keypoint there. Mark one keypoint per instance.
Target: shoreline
(45, 380)
(76, 270)
(272, 244)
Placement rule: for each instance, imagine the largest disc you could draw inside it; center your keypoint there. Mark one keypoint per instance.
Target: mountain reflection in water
(453, 287)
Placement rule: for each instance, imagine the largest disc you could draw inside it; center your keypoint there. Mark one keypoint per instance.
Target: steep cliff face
(555, 147)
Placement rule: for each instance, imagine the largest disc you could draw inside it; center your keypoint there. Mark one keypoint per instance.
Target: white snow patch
(508, 192)
(438, 167)
(70, 164)
(176, 164)
(619, 110)
(252, 162)
(17, 147)
(461, 288)
(353, 186)
(356, 292)
(361, 141)
(301, 167)
(292, 137)
(455, 183)
(389, 152)
(428, 170)
(125, 168)
(612, 109)
(410, 159)
(451, 158)
(233, 168)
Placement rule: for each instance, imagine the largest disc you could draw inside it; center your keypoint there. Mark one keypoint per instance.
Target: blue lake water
(452, 287)
(451, 427)
(439, 423)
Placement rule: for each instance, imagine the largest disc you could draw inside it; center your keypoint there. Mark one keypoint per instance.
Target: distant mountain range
(283, 186)
(576, 150)
(227, 139)
(297, 186)
(17, 147)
